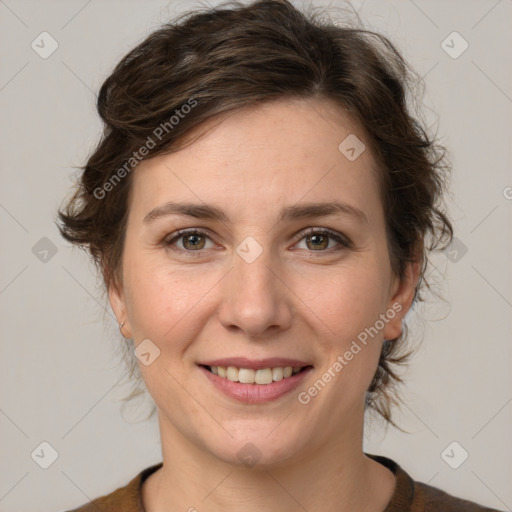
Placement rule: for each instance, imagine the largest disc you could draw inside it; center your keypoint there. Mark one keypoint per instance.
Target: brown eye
(189, 241)
(193, 241)
(323, 240)
(317, 241)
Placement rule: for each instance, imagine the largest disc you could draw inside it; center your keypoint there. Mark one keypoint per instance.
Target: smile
(255, 386)
(262, 376)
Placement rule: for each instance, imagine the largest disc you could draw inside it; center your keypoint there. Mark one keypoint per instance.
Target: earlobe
(402, 299)
(117, 303)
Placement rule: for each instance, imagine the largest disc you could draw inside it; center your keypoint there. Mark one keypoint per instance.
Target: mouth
(257, 376)
(255, 382)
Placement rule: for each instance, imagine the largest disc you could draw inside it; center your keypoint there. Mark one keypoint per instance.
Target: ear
(117, 301)
(402, 296)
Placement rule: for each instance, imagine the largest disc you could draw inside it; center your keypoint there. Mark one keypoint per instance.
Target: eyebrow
(295, 212)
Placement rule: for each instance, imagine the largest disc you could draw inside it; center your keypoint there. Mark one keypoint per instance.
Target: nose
(255, 298)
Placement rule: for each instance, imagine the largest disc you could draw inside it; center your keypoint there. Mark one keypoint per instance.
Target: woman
(261, 207)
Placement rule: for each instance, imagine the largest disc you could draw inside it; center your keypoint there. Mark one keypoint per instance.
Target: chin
(258, 450)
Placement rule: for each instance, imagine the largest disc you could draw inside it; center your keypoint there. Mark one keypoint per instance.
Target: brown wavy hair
(212, 61)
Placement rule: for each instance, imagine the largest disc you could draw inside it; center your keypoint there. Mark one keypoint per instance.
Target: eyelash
(344, 242)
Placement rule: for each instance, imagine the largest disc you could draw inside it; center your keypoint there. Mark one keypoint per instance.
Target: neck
(335, 476)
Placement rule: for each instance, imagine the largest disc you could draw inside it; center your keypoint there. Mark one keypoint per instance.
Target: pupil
(317, 240)
(193, 240)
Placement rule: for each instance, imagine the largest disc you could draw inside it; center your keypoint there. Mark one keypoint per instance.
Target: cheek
(348, 297)
(165, 301)
(348, 304)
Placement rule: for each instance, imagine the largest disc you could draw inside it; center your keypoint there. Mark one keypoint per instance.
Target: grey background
(59, 366)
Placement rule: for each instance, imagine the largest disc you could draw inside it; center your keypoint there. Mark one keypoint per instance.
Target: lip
(255, 364)
(256, 393)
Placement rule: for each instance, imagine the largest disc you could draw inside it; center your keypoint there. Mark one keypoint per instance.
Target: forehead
(286, 151)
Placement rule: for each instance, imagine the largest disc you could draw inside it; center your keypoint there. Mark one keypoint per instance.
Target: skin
(295, 300)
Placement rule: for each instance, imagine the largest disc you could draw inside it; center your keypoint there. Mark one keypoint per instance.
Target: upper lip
(255, 364)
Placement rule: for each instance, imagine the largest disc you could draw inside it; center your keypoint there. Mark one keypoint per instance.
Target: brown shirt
(409, 496)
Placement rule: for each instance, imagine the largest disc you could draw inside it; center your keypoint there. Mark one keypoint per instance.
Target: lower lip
(256, 393)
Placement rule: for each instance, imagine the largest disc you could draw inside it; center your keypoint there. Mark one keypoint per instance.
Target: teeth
(263, 376)
(232, 373)
(250, 376)
(277, 373)
(245, 375)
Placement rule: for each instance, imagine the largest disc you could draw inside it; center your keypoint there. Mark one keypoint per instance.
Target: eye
(319, 240)
(191, 240)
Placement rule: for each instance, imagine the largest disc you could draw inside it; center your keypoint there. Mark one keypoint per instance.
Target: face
(261, 265)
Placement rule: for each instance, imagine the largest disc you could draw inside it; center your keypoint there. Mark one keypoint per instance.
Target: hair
(223, 59)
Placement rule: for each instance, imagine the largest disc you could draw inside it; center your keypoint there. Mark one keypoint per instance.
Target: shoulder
(430, 498)
(412, 496)
(126, 499)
